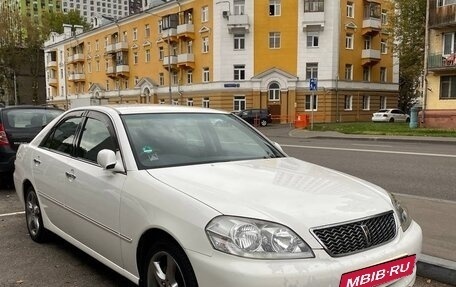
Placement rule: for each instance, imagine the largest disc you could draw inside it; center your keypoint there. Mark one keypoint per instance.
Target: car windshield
(175, 139)
(29, 118)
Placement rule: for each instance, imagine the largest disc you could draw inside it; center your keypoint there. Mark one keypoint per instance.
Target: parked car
(20, 124)
(168, 196)
(256, 117)
(390, 115)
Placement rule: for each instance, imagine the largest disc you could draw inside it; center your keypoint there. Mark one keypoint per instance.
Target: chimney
(78, 29)
(67, 30)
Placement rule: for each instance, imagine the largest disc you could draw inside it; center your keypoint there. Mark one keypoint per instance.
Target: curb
(392, 138)
(438, 269)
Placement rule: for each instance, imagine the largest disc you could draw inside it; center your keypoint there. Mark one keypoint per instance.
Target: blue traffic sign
(313, 84)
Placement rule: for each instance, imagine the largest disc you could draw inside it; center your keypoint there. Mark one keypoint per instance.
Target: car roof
(142, 109)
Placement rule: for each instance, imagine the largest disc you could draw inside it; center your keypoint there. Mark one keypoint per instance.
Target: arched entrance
(274, 101)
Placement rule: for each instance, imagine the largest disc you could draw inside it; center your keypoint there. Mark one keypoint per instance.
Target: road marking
(12, 214)
(373, 151)
(376, 145)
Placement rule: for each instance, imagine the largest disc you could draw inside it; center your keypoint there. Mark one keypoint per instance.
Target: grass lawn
(369, 128)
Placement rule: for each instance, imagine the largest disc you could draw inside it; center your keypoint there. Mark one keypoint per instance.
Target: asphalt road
(420, 169)
(57, 263)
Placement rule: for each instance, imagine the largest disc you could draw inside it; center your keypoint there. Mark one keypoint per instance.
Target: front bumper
(223, 270)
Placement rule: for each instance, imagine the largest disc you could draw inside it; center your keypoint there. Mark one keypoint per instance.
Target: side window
(63, 135)
(95, 137)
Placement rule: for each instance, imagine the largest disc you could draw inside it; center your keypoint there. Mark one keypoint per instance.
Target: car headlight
(255, 239)
(402, 213)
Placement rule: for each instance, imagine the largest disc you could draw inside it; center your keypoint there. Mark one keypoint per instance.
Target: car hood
(283, 190)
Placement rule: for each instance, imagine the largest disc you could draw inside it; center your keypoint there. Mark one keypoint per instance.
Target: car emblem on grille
(367, 234)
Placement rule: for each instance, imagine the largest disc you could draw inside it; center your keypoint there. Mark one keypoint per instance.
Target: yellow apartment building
(439, 106)
(232, 55)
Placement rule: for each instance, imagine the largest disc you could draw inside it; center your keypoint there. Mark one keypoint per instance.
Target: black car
(20, 124)
(256, 117)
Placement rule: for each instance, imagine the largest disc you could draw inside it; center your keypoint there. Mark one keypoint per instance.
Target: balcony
(186, 60)
(53, 82)
(238, 24)
(441, 17)
(439, 63)
(76, 77)
(372, 26)
(169, 60)
(117, 47)
(186, 30)
(75, 58)
(52, 64)
(370, 56)
(118, 71)
(169, 34)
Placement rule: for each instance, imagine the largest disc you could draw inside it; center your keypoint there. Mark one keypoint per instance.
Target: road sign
(313, 84)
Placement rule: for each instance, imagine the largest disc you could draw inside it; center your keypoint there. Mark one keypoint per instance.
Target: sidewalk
(436, 217)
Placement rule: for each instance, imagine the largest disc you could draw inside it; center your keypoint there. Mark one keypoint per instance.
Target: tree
(408, 26)
(53, 21)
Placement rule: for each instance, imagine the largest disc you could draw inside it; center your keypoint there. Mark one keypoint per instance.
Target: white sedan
(390, 115)
(168, 196)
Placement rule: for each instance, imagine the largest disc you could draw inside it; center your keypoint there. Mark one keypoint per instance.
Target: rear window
(382, 111)
(29, 118)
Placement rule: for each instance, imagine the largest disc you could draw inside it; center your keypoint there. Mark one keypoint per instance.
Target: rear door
(50, 162)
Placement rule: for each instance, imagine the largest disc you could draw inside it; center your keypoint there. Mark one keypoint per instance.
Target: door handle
(70, 175)
(36, 161)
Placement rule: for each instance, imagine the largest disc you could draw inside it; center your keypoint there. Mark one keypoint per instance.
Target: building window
(383, 47)
(147, 30)
(205, 103)
(190, 102)
(97, 45)
(311, 71)
(348, 72)
(89, 67)
(175, 102)
(349, 41)
(136, 80)
(162, 102)
(367, 42)
(189, 77)
(107, 85)
(206, 74)
(135, 58)
(311, 101)
(135, 34)
(175, 78)
(239, 7)
(445, 2)
(239, 72)
(147, 55)
(312, 39)
(274, 40)
(161, 53)
(348, 103)
(366, 74)
(448, 87)
(449, 43)
(350, 10)
(161, 79)
(366, 103)
(205, 14)
(205, 47)
(314, 5)
(97, 66)
(239, 103)
(125, 36)
(383, 74)
(274, 7)
(239, 41)
(274, 92)
(382, 102)
(384, 17)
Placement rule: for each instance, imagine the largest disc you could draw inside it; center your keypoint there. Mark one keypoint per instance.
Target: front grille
(357, 236)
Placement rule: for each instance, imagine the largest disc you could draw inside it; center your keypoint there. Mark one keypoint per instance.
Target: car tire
(33, 217)
(391, 120)
(263, 123)
(164, 254)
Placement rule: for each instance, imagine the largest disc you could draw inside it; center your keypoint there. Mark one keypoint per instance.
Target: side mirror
(278, 146)
(108, 160)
